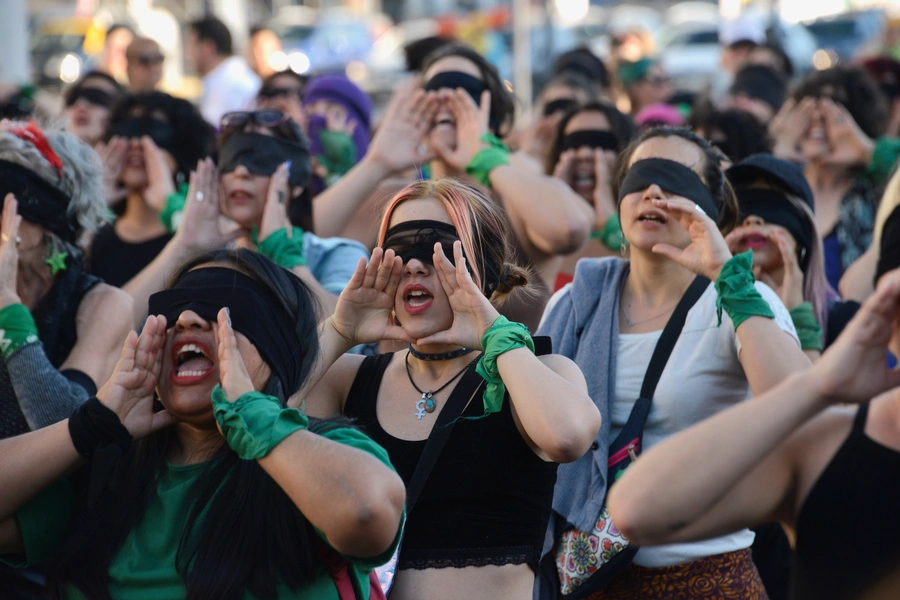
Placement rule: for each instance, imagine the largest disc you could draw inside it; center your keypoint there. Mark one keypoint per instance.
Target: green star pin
(57, 262)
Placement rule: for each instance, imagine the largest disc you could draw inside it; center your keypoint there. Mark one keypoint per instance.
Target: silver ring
(700, 210)
(199, 196)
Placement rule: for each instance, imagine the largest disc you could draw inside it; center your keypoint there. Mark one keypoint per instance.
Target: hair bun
(511, 277)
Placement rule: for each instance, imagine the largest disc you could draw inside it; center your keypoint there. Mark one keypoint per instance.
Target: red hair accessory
(35, 135)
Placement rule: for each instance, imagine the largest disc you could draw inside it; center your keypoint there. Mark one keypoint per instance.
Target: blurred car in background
(324, 41)
(842, 35)
(690, 51)
(62, 47)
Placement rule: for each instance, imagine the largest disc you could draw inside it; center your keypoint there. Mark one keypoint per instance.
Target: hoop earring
(623, 249)
(394, 318)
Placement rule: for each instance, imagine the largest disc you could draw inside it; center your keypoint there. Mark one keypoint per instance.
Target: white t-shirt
(230, 86)
(702, 377)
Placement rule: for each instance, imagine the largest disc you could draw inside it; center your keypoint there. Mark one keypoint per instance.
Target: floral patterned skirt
(729, 576)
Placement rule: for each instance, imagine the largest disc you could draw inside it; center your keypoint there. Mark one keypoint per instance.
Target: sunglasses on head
(148, 60)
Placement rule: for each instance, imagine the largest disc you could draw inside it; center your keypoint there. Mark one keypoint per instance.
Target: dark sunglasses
(275, 92)
(264, 118)
(148, 60)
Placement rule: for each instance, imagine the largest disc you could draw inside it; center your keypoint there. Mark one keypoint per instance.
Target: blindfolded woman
(188, 497)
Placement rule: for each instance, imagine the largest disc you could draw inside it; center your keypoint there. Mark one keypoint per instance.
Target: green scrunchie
(284, 251)
(17, 329)
(737, 294)
(503, 336)
(611, 235)
(488, 159)
(255, 423)
(807, 325)
(171, 214)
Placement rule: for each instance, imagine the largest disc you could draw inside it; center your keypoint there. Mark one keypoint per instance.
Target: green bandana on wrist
(171, 214)
(611, 234)
(503, 336)
(284, 251)
(17, 329)
(255, 423)
(488, 159)
(807, 325)
(737, 294)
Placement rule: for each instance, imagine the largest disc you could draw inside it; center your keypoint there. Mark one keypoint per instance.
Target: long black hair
(242, 533)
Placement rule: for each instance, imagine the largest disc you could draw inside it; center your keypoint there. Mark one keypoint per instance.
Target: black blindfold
(776, 209)
(40, 202)
(416, 240)
(592, 138)
(474, 86)
(674, 178)
(94, 96)
(162, 134)
(560, 105)
(262, 154)
(255, 312)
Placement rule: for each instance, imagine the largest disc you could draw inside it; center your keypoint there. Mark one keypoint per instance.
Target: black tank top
(487, 500)
(848, 531)
(116, 261)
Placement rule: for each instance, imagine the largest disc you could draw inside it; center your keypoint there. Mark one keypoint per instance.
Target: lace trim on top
(469, 557)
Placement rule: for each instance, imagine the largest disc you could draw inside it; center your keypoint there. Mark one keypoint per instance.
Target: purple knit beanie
(340, 90)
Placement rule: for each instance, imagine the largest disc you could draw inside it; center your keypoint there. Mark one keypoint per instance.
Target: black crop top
(487, 500)
(848, 531)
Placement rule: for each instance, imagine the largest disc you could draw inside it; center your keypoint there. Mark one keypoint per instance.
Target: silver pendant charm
(426, 404)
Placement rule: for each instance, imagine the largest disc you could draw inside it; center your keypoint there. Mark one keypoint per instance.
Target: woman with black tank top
(478, 526)
(798, 454)
(165, 137)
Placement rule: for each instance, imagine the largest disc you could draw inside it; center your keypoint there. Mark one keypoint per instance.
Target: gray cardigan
(583, 325)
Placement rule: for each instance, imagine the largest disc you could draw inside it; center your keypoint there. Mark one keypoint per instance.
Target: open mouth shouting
(652, 218)
(191, 362)
(754, 241)
(416, 298)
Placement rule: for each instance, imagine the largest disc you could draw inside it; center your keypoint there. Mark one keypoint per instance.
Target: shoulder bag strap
(641, 410)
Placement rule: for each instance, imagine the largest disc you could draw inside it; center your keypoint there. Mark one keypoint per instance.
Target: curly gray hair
(81, 178)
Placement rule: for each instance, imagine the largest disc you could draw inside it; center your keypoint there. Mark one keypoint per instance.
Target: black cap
(761, 165)
(761, 82)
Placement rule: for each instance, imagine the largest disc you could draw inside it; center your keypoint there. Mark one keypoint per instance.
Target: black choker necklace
(441, 355)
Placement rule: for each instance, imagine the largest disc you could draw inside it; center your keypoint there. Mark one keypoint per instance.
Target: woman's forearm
(673, 491)
(554, 409)
(32, 461)
(335, 206)
(348, 494)
(45, 396)
(557, 220)
(768, 354)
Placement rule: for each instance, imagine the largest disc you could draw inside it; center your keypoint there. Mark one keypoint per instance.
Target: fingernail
(228, 312)
(288, 165)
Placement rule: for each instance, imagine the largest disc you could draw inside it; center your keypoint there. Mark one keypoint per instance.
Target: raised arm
(394, 149)
(549, 394)
(552, 217)
(749, 472)
(31, 462)
(200, 230)
(350, 495)
(768, 354)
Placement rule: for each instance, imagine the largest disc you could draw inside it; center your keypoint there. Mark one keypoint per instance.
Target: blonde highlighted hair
(482, 229)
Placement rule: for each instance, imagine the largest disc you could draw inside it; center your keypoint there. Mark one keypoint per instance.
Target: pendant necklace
(427, 403)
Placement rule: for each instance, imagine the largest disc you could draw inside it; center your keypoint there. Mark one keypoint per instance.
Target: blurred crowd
(636, 343)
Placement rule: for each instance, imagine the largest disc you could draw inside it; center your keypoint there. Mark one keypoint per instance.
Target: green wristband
(171, 214)
(284, 251)
(807, 325)
(737, 294)
(17, 329)
(503, 336)
(255, 423)
(611, 234)
(488, 159)
(884, 157)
